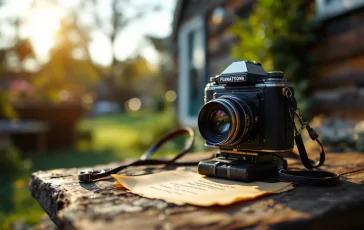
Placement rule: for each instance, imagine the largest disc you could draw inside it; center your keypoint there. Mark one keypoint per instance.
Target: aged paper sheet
(181, 187)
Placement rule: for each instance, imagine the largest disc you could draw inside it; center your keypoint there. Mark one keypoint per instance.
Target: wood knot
(60, 204)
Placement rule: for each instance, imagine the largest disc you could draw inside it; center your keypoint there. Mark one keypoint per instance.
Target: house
(338, 85)
(203, 41)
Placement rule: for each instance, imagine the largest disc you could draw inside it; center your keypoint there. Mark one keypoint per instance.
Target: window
(192, 70)
(326, 9)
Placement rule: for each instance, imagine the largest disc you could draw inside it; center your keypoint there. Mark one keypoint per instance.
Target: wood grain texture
(99, 205)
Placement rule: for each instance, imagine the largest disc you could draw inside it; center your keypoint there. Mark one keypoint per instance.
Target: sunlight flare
(42, 24)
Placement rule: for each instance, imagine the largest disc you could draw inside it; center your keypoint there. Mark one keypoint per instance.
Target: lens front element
(227, 120)
(219, 122)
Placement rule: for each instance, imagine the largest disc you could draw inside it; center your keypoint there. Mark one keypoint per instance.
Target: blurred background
(86, 82)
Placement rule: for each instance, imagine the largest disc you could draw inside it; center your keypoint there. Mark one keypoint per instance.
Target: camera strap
(87, 176)
(304, 177)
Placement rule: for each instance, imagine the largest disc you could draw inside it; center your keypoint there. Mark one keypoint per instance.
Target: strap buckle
(87, 176)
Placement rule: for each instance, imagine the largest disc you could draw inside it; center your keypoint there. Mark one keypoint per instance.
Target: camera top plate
(242, 72)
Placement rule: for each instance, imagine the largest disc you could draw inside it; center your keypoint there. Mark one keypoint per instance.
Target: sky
(42, 23)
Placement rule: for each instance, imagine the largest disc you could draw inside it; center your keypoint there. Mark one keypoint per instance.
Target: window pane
(196, 55)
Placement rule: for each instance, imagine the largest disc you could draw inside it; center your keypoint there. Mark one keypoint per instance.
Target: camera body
(246, 116)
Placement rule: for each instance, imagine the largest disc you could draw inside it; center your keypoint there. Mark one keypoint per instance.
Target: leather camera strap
(90, 175)
(304, 177)
(312, 176)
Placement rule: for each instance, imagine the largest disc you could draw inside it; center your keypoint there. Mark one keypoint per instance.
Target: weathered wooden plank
(99, 205)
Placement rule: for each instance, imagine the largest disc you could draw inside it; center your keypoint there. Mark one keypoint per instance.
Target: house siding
(338, 84)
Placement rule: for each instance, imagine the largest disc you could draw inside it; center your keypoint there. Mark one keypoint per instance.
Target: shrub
(278, 34)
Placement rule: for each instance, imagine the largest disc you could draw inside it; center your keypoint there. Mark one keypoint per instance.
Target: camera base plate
(238, 170)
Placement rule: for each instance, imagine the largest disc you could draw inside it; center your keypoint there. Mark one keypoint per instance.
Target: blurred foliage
(11, 164)
(277, 34)
(6, 110)
(166, 62)
(71, 74)
(12, 167)
(23, 49)
(137, 79)
(68, 71)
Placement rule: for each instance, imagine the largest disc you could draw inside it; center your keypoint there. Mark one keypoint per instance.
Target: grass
(114, 138)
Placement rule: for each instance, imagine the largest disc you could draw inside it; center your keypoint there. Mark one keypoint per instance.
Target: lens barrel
(227, 120)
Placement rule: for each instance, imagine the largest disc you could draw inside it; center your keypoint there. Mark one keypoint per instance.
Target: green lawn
(114, 137)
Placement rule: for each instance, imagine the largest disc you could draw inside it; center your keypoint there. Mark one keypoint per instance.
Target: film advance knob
(275, 74)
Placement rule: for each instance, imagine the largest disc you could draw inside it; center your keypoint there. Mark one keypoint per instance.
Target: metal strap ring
(287, 92)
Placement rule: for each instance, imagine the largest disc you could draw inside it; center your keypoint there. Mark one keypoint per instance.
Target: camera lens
(227, 120)
(220, 122)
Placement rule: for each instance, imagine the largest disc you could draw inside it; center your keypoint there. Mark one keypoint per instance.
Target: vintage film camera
(246, 116)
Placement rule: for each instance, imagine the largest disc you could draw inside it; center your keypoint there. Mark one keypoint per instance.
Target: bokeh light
(41, 26)
(87, 99)
(170, 95)
(134, 104)
(64, 95)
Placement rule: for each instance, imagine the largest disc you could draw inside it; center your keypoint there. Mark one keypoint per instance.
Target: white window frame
(183, 68)
(335, 8)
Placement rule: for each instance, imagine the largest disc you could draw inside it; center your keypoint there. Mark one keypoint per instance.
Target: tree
(71, 67)
(111, 27)
(69, 73)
